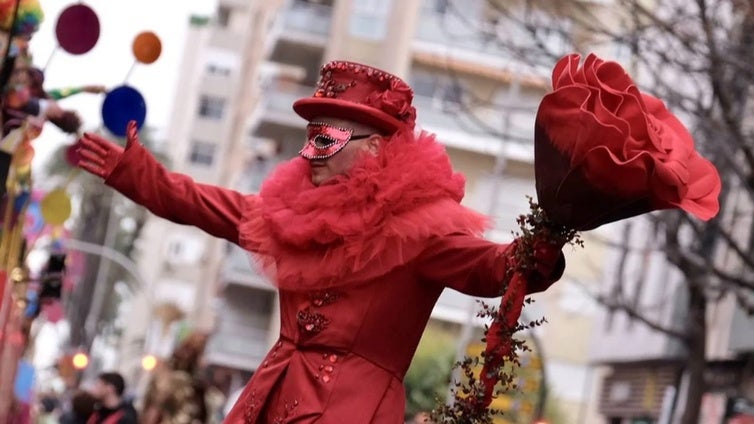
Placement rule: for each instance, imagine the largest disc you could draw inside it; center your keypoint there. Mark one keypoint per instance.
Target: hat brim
(313, 107)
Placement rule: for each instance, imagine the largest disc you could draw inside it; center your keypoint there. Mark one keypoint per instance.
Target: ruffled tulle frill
(360, 226)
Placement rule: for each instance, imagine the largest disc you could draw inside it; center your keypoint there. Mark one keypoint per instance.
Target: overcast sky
(109, 61)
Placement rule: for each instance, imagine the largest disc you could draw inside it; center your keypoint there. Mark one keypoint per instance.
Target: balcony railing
(247, 349)
(244, 320)
(279, 96)
(306, 17)
(277, 101)
(516, 124)
(468, 35)
(237, 269)
(225, 39)
(252, 343)
(457, 33)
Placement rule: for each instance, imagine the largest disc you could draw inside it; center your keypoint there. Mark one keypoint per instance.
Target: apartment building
(233, 122)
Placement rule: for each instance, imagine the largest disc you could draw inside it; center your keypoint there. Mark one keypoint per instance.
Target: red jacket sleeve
(177, 197)
(475, 266)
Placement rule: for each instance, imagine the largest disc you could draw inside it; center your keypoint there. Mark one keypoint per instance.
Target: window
(221, 62)
(423, 84)
(223, 16)
(452, 94)
(184, 250)
(553, 32)
(370, 18)
(211, 107)
(266, 156)
(443, 89)
(202, 153)
(215, 69)
(441, 6)
(437, 7)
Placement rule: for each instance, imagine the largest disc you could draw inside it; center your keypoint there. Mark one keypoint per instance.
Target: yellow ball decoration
(56, 207)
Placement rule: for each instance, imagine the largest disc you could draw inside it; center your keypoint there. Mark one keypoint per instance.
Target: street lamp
(148, 362)
(80, 361)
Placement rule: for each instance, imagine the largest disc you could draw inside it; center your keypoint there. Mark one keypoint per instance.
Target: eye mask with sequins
(324, 140)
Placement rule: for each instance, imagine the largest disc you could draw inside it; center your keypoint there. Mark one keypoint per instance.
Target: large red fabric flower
(605, 151)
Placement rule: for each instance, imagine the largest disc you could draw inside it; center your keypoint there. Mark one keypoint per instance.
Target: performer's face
(346, 142)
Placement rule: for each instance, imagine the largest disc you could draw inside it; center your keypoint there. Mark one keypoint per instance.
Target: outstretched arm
(62, 93)
(477, 267)
(135, 173)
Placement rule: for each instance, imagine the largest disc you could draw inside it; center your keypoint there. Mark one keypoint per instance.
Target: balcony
(741, 337)
(239, 4)
(225, 39)
(471, 37)
(445, 33)
(242, 336)
(277, 101)
(306, 22)
(237, 270)
(244, 350)
(478, 129)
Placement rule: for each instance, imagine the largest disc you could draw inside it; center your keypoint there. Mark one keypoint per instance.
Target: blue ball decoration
(123, 104)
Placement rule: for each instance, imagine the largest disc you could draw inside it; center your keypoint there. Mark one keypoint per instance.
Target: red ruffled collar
(358, 226)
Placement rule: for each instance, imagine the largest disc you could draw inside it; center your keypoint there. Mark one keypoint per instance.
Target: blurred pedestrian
(176, 394)
(81, 409)
(111, 408)
(48, 409)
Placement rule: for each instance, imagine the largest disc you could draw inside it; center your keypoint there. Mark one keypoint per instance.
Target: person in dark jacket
(111, 408)
(82, 407)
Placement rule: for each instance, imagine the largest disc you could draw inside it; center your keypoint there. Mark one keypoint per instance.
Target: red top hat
(360, 93)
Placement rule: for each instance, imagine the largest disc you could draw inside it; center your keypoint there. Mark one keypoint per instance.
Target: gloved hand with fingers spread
(99, 155)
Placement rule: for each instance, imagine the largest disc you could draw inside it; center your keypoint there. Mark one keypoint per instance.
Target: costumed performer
(361, 234)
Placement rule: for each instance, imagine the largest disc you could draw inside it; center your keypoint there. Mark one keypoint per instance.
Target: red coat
(350, 322)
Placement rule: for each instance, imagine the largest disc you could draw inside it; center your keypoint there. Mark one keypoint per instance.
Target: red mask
(324, 140)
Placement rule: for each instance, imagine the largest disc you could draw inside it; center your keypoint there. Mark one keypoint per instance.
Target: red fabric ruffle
(358, 226)
(626, 143)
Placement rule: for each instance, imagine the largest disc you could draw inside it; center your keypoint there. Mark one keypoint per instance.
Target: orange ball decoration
(147, 47)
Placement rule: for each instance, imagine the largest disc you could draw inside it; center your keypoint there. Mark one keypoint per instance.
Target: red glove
(547, 254)
(549, 264)
(99, 155)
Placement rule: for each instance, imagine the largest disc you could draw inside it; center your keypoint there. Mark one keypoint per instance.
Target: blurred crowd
(179, 391)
